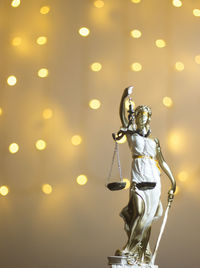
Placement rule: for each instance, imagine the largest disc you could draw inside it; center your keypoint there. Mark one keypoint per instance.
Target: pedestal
(123, 262)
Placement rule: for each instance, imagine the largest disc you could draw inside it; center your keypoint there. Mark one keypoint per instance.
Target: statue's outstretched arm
(166, 169)
(128, 91)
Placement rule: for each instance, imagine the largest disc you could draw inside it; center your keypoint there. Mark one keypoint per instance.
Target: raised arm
(128, 91)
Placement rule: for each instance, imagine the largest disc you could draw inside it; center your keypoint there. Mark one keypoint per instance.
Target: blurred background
(64, 66)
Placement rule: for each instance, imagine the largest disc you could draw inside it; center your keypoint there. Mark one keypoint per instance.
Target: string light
(15, 3)
(1, 111)
(13, 148)
(16, 41)
(84, 31)
(136, 1)
(197, 59)
(44, 10)
(122, 140)
(43, 72)
(183, 176)
(4, 190)
(99, 3)
(42, 40)
(12, 80)
(179, 66)
(47, 113)
(127, 103)
(47, 188)
(76, 140)
(167, 101)
(94, 104)
(127, 183)
(177, 3)
(196, 12)
(160, 43)
(40, 145)
(136, 33)
(96, 67)
(136, 67)
(81, 179)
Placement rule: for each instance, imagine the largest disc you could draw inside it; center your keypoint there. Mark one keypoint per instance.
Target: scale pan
(114, 186)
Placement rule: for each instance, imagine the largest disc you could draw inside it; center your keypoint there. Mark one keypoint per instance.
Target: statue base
(124, 262)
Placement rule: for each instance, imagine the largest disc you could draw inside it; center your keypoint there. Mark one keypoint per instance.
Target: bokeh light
(176, 141)
(197, 59)
(4, 190)
(183, 176)
(47, 113)
(44, 10)
(136, 33)
(47, 188)
(135, 1)
(81, 179)
(167, 101)
(40, 145)
(1, 111)
(43, 72)
(96, 67)
(41, 40)
(17, 41)
(76, 140)
(122, 140)
(160, 43)
(177, 190)
(94, 104)
(136, 67)
(99, 3)
(84, 31)
(15, 3)
(196, 12)
(127, 181)
(13, 148)
(12, 80)
(177, 3)
(179, 66)
(127, 103)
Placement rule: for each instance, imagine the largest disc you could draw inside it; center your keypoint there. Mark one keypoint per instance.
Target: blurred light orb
(136, 33)
(43, 72)
(13, 148)
(4, 190)
(15, 3)
(122, 140)
(197, 59)
(176, 141)
(84, 31)
(179, 66)
(127, 183)
(196, 12)
(42, 40)
(136, 67)
(47, 188)
(47, 113)
(160, 43)
(12, 80)
(177, 3)
(167, 101)
(40, 145)
(94, 104)
(96, 67)
(76, 140)
(183, 176)
(135, 1)
(16, 41)
(99, 3)
(44, 10)
(127, 104)
(81, 179)
(1, 111)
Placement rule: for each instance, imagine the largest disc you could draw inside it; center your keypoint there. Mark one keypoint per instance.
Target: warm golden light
(42, 40)
(136, 1)
(40, 144)
(96, 66)
(15, 3)
(1, 111)
(76, 140)
(179, 66)
(160, 43)
(84, 31)
(197, 59)
(127, 104)
(12, 80)
(177, 3)
(99, 3)
(44, 10)
(183, 176)
(47, 188)
(196, 12)
(136, 33)
(122, 140)
(13, 148)
(177, 190)
(176, 141)
(127, 183)
(47, 113)
(81, 179)
(43, 72)
(4, 190)
(167, 101)
(94, 104)
(16, 41)
(136, 67)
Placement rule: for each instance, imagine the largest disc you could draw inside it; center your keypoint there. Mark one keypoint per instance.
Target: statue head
(143, 116)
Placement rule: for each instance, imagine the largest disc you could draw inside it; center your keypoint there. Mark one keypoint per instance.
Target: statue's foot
(147, 256)
(122, 252)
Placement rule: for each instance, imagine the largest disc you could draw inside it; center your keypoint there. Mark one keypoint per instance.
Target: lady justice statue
(144, 204)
